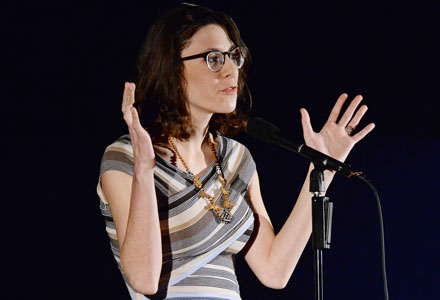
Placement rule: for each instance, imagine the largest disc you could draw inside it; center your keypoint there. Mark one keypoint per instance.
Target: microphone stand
(322, 210)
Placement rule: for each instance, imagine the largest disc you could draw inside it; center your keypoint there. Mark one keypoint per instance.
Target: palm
(143, 152)
(333, 138)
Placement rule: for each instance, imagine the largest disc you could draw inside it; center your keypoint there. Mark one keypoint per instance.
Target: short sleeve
(238, 161)
(251, 167)
(118, 156)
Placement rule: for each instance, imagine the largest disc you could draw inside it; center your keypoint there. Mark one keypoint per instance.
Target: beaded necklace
(224, 213)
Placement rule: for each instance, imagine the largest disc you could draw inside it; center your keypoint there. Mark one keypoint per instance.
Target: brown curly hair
(160, 91)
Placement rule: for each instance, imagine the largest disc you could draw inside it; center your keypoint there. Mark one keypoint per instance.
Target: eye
(237, 58)
(215, 57)
(236, 54)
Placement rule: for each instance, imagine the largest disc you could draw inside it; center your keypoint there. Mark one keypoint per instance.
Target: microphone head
(261, 129)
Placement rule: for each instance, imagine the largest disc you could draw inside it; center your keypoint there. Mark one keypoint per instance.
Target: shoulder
(120, 145)
(233, 146)
(118, 156)
(236, 156)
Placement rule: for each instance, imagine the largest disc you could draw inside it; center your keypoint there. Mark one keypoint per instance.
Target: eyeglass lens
(216, 59)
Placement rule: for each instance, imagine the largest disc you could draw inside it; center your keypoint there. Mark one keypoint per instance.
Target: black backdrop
(65, 64)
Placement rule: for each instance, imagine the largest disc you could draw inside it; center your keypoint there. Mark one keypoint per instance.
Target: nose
(229, 68)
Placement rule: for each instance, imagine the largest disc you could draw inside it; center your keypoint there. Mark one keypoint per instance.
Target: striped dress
(198, 250)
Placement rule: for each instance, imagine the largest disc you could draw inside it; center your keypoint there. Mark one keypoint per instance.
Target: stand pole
(319, 286)
(322, 210)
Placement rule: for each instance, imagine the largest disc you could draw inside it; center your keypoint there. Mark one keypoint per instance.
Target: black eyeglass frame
(205, 57)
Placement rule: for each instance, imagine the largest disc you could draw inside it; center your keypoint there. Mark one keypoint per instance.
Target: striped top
(198, 250)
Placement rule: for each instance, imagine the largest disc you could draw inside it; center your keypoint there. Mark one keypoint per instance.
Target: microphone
(269, 133)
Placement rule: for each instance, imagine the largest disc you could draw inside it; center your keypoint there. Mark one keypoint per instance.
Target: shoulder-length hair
(161, 90)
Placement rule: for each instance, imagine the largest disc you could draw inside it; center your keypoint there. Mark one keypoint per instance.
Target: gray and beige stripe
(198, 251)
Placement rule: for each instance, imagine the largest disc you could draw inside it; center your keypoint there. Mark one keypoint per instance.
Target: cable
(382, 238)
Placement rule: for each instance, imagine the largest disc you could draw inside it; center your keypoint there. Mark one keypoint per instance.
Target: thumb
(305, 122)
(135, 117)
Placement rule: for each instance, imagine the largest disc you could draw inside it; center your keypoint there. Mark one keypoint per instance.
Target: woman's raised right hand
(143, 152)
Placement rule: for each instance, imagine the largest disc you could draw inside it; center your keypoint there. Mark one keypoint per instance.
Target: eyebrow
(216, 49)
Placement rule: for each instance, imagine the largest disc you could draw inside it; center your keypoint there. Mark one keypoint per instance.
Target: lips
(231, 89)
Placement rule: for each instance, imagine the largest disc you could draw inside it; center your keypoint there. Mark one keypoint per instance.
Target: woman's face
(207, 91)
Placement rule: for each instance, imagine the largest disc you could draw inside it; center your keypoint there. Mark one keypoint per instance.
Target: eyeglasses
(216, 59)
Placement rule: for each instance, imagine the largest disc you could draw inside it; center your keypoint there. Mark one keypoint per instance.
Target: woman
(180, 199)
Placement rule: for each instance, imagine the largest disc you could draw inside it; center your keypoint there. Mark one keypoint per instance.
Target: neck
(194, 144)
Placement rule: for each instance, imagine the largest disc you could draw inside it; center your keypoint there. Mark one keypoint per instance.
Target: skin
(272, 257)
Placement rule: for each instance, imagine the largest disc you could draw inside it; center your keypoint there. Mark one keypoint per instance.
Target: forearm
(289, 243)
(141, 253)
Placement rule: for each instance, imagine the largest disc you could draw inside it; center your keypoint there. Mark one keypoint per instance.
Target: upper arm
(259, 248)
(255, 198)
(116, 186)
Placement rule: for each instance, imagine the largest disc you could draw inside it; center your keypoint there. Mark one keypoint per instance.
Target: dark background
(64, 66)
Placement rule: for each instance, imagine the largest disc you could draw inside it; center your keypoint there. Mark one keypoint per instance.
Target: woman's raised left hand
(334, 139)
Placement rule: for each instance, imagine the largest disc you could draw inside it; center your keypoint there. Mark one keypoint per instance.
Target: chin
(228, 105)
(227, 109)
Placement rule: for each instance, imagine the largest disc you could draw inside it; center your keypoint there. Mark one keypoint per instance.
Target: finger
(361, 134)
(131, 88)
(128, 97)
(358, 116)
(337, 108)
(128, 116)
(124, 97)
(350, 111)
(305, 121)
